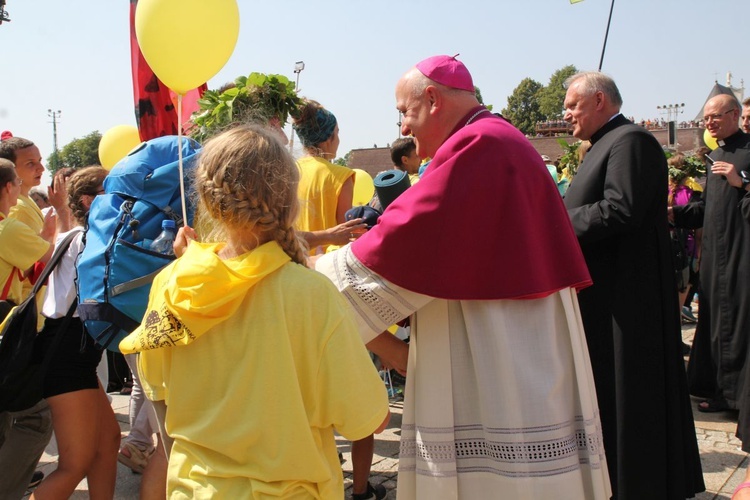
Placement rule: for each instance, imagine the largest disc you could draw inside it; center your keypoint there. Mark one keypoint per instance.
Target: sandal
(138, 459)
(713, 406)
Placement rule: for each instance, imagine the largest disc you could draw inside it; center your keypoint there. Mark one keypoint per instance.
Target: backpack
(116, 267)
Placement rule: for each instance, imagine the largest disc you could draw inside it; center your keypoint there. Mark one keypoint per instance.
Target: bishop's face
(417, 119)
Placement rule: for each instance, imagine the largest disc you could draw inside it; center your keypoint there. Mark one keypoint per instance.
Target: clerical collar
(614, 116)
(728, 140)
(613, 122)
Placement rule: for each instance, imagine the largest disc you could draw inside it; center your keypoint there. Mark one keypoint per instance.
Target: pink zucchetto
(447, 71)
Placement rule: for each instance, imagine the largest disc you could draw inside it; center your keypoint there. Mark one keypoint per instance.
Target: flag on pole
(155, 103)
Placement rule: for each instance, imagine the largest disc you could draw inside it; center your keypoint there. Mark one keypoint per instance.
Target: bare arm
(345, 200)
(392, 351)
(337, 235)
(48, 234)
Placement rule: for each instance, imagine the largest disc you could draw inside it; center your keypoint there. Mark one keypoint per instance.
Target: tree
(552, 96)
(523, 106)
(77, 153)
(478, 94)
(343, 161)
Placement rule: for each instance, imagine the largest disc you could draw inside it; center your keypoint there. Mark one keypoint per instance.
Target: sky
(75, 56)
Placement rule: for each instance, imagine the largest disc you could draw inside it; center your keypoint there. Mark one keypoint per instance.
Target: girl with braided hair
(255, 355)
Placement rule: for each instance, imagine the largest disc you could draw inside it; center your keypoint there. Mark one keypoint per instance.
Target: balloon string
(179, 158)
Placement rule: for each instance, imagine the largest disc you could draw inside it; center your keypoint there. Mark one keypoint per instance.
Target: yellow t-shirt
(319, 189)
(20, 248)
(254, 400)
(28, 212)
(413, 178)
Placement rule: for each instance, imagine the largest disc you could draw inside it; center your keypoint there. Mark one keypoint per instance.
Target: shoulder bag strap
(54, 260)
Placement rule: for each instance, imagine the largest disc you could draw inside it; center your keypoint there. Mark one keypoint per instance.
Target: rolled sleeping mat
(390, 184)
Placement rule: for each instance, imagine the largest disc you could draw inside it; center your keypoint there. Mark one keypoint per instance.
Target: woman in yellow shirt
(325, 189)
(20, 246)
(256, 356)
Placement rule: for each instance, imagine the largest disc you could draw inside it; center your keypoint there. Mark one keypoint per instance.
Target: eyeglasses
(716, 116)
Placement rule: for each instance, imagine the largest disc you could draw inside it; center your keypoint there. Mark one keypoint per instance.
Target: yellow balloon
(186, 42)
(116, 143)
(364, 188)
(709, 140)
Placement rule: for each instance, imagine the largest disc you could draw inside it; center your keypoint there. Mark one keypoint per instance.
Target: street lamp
(298, 67)
(55, 115)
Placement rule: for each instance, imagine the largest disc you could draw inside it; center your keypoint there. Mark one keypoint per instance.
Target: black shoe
(36, 478)
(687, 315)
(377, 492)
(397, 378)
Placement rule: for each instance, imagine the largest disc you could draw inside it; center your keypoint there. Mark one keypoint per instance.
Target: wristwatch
(745, 179)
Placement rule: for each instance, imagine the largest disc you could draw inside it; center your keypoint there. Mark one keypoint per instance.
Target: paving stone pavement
(724, 464)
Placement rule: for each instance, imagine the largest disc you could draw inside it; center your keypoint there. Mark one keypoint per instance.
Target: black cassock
(718, 365)
(618, 206)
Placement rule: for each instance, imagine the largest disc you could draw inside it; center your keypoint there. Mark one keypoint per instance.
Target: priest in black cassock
(718, 369)
(617, 203)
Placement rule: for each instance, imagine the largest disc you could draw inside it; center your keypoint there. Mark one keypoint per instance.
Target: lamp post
(671, 110)
(55, 115)
(298, 67)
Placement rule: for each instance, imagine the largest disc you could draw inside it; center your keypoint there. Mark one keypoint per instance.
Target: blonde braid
(291, 243)
(247, 183)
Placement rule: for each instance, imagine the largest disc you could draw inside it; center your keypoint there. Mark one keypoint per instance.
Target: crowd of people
(563, 128)
(527, 373)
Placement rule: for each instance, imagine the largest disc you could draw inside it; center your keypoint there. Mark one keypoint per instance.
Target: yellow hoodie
(258, 360)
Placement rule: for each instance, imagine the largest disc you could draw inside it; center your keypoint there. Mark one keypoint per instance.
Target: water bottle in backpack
(163, 243)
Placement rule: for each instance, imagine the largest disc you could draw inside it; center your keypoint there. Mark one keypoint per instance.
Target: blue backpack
(116, 267)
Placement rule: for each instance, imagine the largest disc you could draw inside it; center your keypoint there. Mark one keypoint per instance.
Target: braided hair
(246, 182)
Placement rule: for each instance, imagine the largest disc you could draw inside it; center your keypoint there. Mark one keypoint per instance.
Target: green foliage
(343, 161)
(478, 94)
(523, 106)
(254, 98)
(569, 158)
(692, 166)
(77, 153)
(552, 96)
